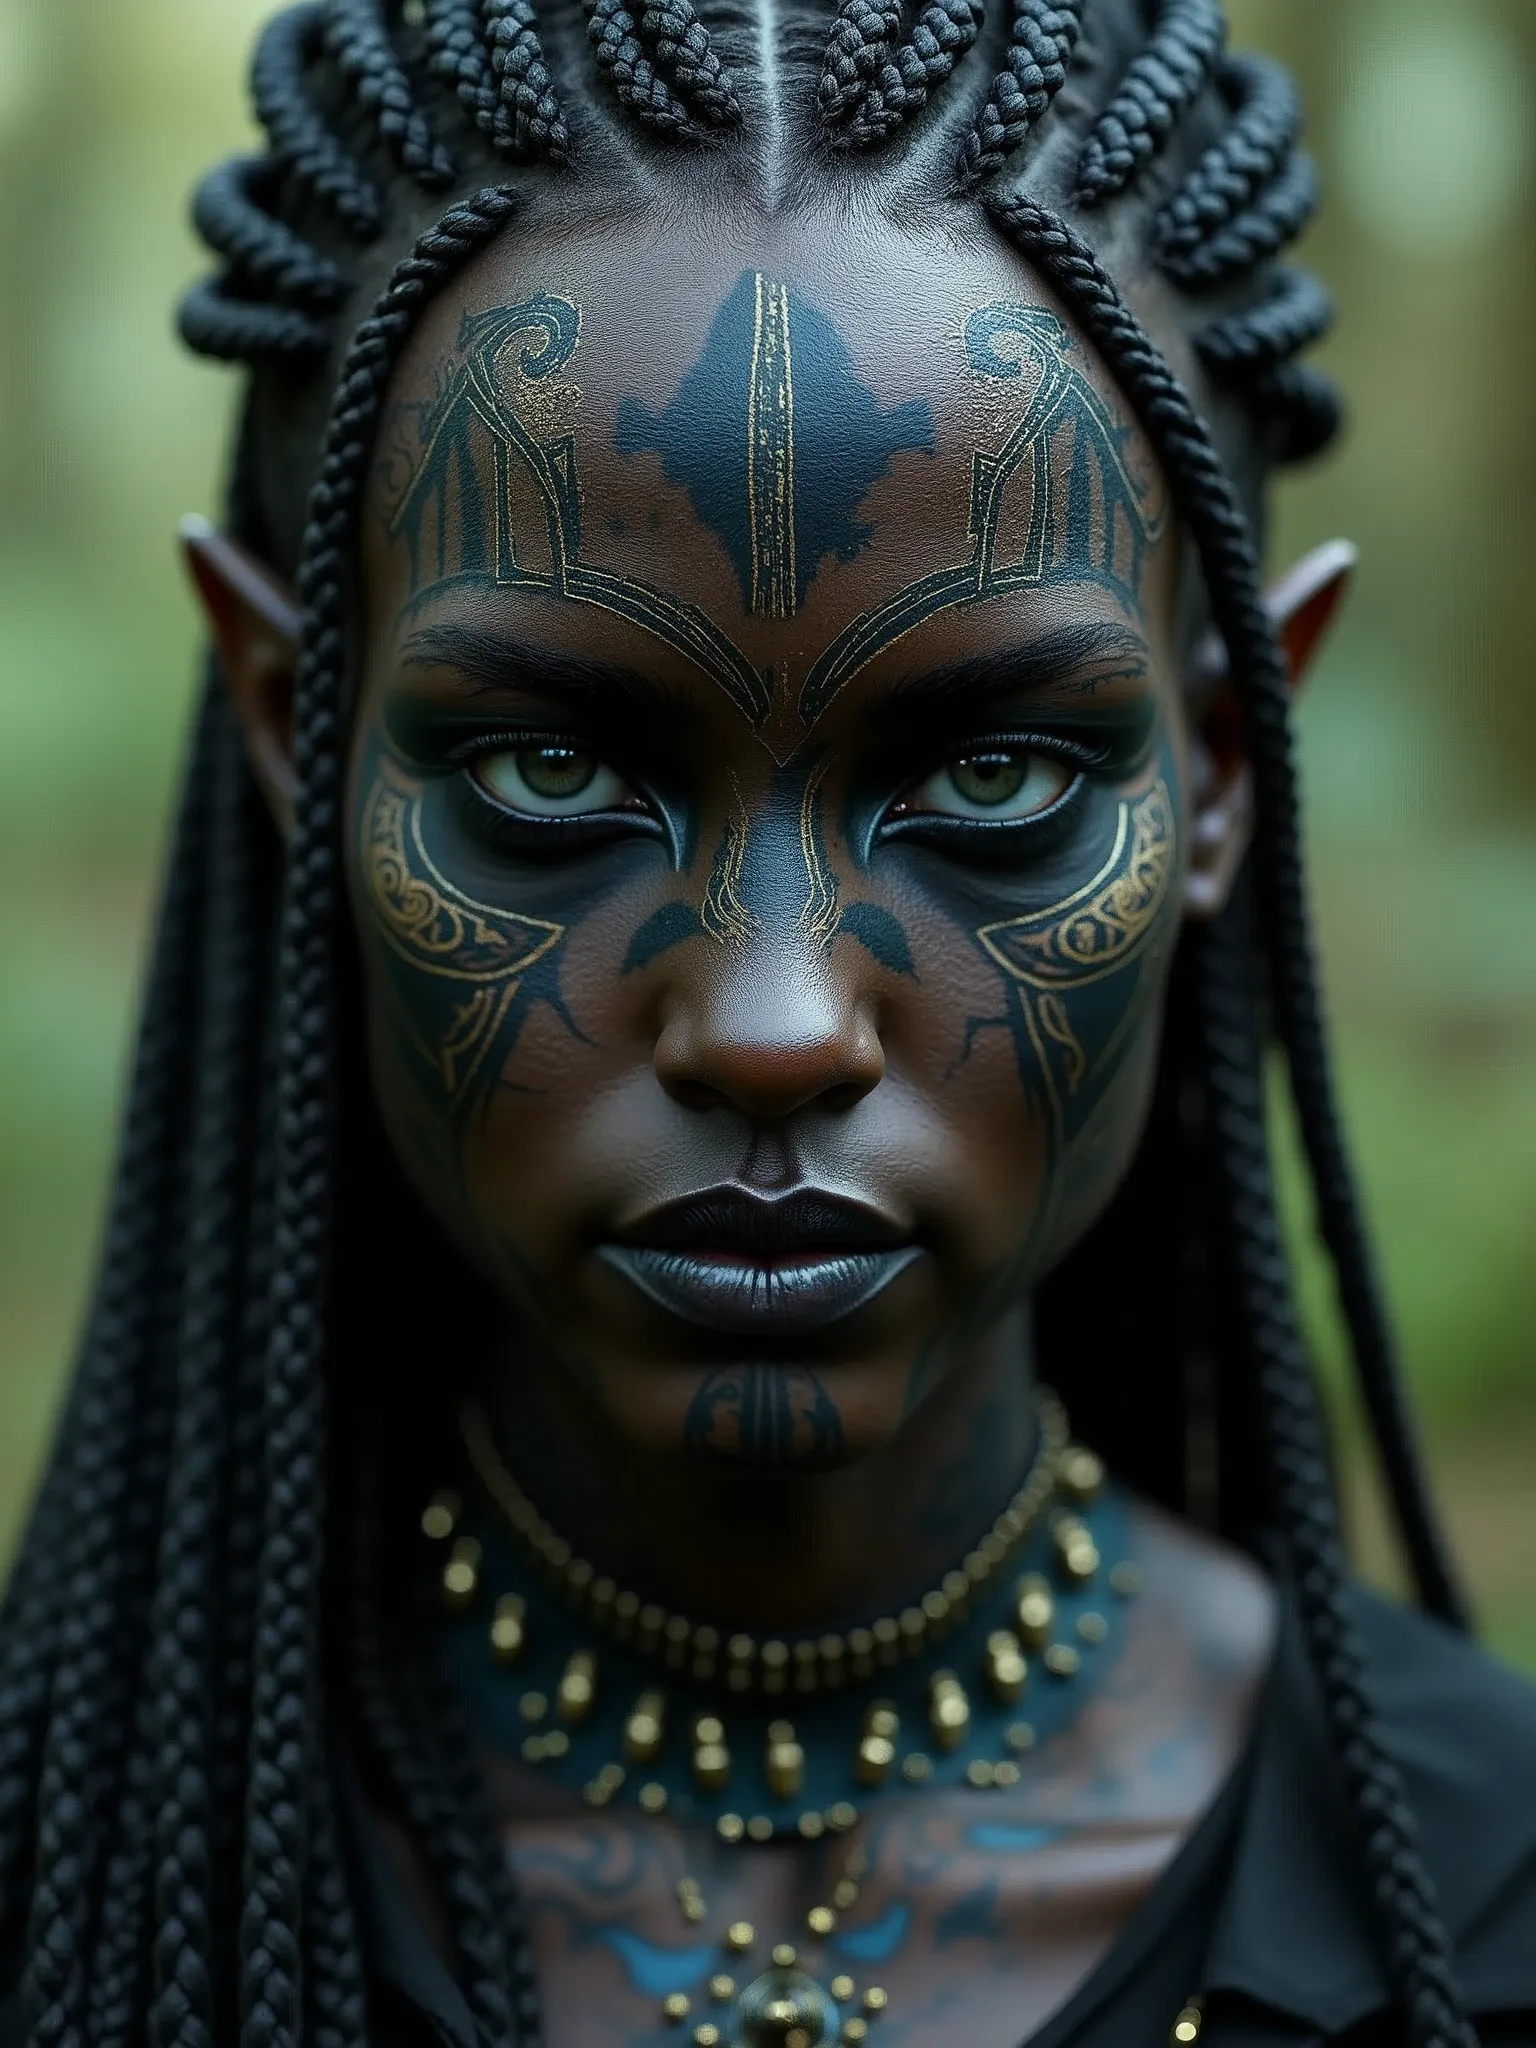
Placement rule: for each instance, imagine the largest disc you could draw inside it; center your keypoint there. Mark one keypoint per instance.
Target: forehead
(781, 459)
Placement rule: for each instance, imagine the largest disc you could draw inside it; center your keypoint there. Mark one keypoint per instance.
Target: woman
(737, 868)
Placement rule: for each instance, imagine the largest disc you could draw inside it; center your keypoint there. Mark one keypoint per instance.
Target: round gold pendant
(785, 2009)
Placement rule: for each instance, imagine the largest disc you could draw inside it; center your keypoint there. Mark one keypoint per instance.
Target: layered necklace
(783, 1738)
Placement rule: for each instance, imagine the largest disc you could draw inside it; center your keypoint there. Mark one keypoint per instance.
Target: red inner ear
(1302, 633)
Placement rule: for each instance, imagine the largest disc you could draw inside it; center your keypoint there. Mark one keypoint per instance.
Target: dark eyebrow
(495, 661)
(1059, 659)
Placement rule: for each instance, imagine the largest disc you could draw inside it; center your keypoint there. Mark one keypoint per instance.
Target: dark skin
(712, 828)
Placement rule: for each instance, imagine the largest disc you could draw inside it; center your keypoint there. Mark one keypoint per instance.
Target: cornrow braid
(1413, 1940)
(357, 38)
(299, 139)
(1158, 89)
(663, 66)
(1044, 36)
(868, 87)
(490, 53)
(528, 121)
(1251, 194)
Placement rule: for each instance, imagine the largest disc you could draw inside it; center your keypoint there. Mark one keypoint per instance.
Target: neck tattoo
(782, 1739)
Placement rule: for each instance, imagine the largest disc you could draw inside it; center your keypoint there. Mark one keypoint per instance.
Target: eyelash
(519, 833)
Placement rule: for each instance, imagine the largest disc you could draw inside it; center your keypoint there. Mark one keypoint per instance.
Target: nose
(770, 1030)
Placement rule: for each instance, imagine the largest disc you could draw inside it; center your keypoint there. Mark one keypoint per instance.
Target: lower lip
(784, 1297)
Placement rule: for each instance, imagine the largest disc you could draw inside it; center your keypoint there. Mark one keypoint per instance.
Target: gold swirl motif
(437, 930)
(1093, 933)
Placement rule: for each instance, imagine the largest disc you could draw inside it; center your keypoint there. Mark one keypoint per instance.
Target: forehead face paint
(776, 441)
(778, 446)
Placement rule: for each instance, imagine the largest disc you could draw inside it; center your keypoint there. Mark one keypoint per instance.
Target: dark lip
(799, 1224)
(754, 1295)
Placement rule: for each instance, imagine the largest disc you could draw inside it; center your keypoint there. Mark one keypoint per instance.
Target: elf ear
(1303, 605)
(255, 625)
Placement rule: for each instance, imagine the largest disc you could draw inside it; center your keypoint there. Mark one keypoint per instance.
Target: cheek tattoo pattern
(455, 967)
(1070, 963)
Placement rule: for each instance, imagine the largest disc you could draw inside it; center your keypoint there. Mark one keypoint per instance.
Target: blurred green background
(1419, 730)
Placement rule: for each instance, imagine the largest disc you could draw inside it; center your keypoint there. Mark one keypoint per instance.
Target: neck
(768, 1549)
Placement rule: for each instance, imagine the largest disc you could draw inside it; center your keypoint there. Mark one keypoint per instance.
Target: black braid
(1251, 194)
(870, 84)
(1044, 36)
(1160, 87)
(663, 66)
(285, 1709)
(1412, 1935)
(90, 1701)
(528, 121)
(231, 211)
(298, 136)
(1413, 1939)
(358, 39)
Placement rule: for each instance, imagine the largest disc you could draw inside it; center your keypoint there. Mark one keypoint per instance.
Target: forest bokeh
(1419, 731)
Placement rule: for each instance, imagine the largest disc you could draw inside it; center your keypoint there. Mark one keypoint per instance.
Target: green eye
(552, 779)
(1002, 786)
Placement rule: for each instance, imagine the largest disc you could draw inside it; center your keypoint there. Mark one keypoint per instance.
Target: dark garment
(1263, 1914)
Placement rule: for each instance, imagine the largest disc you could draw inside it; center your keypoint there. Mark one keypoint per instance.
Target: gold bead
(706, 2035)
(652, 1798)
(739, 1936)
(707, 1730)
(644, 1729)
(783, 1761)
(1006, 1774)
(917, 1769)
(875, 2000)
(949, 1711)
(577, 1688)
(1006, 1667)
(677, 2006)
(873, 1759)
(611, 1775)
(1080, 1473)
(882, 1719)
(648, 1624)
(722, 1988)
(1125, 1580)
(595, 1792)
(1092, 1628)
(1035, 1613)
(784, 1957)
(712, 1767)
(979, 1773)
(760, 1828)
(557, 1743)
(1186, 2027)
(887, 1635)
(730, 1827)
(845, 1894)
(936, 1612)
(913, 1624)
(1077, 1555)
(532, 1749)
(688, 1888)
(841, 1816)
(842, 1989)
(1062, 1661)
(440, 1517)
(956, 1588)
(533, 1706)
(820, 1922)
(741, 1650)
(1020, 1737)
(855, 2030)
(461, 1574)
(509, 1628)
(811, 1826)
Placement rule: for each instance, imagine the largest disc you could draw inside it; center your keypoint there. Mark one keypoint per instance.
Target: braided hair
(195, 1560)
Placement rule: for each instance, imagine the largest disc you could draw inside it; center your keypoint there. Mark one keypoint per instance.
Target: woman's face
(765, 812)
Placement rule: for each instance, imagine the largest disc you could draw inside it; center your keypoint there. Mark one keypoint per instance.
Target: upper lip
(734, 1219)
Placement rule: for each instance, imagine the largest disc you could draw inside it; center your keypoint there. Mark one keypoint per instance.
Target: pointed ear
(1303, 605)
(255, 625)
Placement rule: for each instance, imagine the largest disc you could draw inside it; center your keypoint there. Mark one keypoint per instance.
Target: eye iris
(556, 772)
(989, 778)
